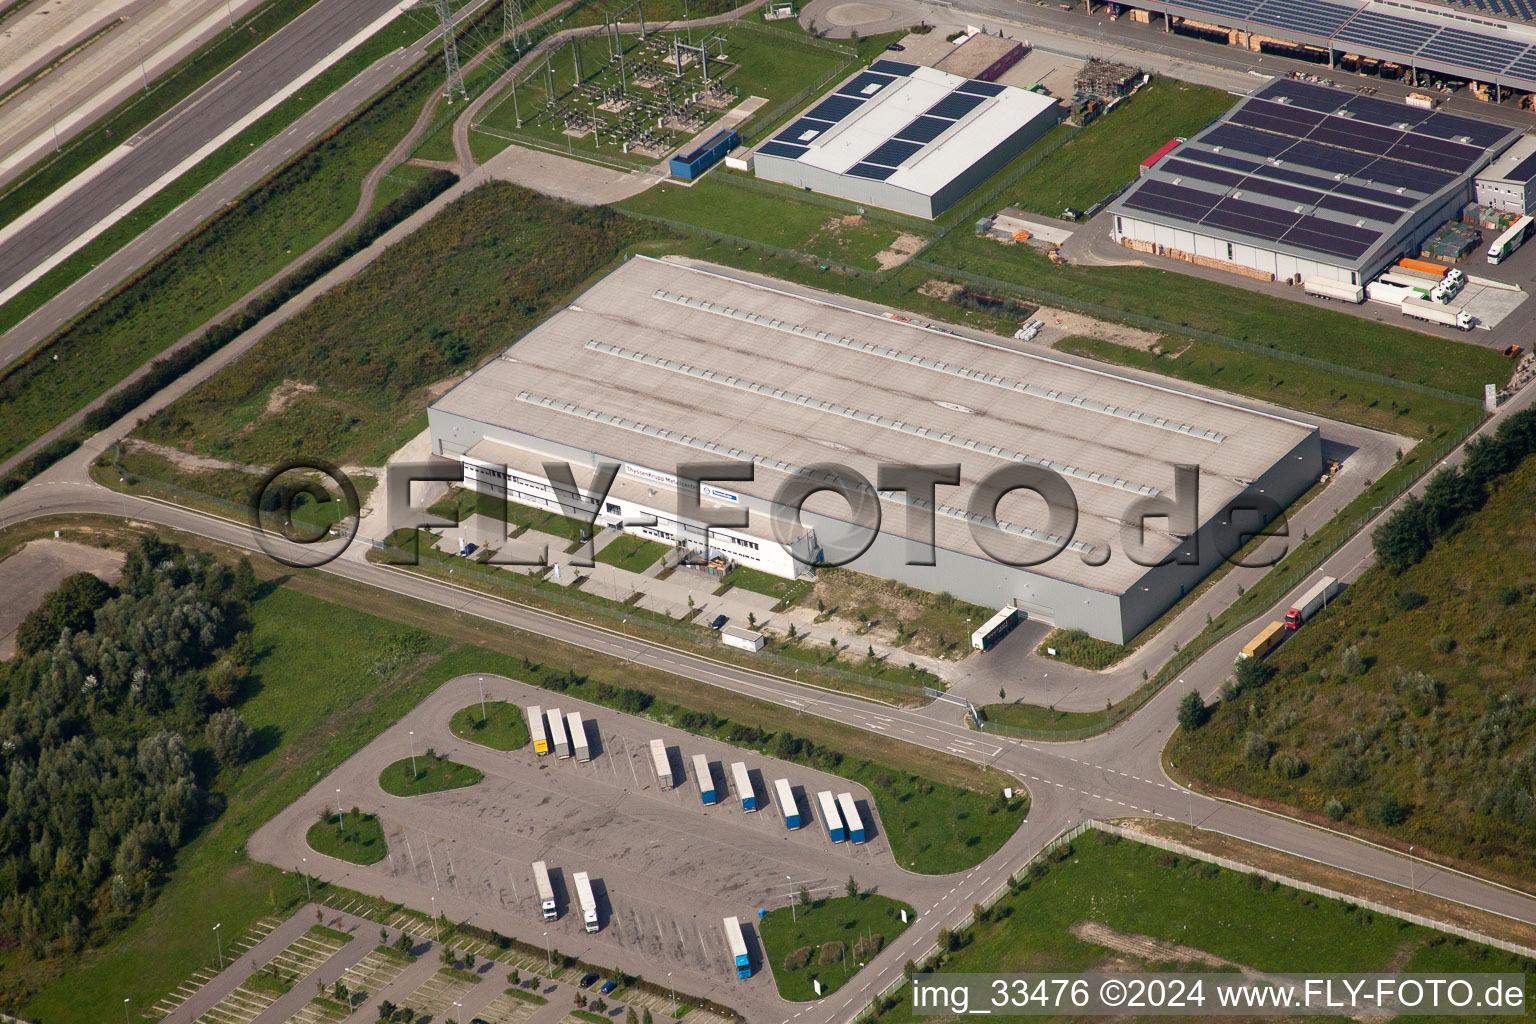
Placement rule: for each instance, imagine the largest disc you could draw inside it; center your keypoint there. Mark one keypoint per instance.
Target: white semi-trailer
(578, 736)
(1423, 309)
(546, 890)
(537, 730)
(744, 790)
(1323, 288)
(557, 733)
(1513, 238)
(586, 899)
(662, 763)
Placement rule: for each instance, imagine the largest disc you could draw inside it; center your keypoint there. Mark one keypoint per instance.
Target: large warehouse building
(661, 364)
(1309, 181)
(1492, 41)
(905, 137)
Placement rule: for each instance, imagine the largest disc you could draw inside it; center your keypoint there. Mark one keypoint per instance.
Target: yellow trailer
(1265, 642)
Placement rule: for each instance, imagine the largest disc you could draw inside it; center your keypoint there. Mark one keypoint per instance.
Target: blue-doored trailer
(830, 816)
(706, 779)
(787, 803)
(851, 819)
(744, 786)
(690, 165)
(738, 943)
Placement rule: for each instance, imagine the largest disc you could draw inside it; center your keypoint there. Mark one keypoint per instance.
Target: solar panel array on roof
(871, 171)
(784, 149)
(1311, 167)
(893, 67)
(892, 153)
(955, 105)
(1471, 50)
(924, 129)
(834, 108)
(865, 85)
(1525, 170)
(979, 88)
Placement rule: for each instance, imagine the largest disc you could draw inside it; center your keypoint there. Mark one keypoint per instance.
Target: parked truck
(1268, 639)
(829, 815)
(744, 786)
(546, 890)
(1323, 288)
(662, 763)
(537, 730)
(1513, 238)
(851, 819)
(586, 899)
(1312, 602)
(706, 780)
(557, 733)
(579, 745)
(1423, 309)
(737, 939)
(787, 805)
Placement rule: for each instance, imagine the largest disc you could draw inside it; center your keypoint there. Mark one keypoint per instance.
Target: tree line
(114, 718)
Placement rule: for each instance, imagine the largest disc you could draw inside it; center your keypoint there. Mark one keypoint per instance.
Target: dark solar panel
(1174, 200)
(1332, 237)
(924, 129)
(802, 131)
(1365, 108)
(1525, 170)
(1257, 227)
(1326, 158)
(1185, 169)
(955, 106)
(980, 88)
(1447, 156)
(1471, 49)
(871, 171)
(1349, 188)
(1401, 175)
(1524, 66)
(1316, 17)
(1245, 140)
(1352, 134)
(834, 108)
(893, 67)
(865, 85)
(1449, 126)
(1311, 97)
(1303, 117)
(781, 149)
(1311, 181)
(1280, 190)
(1387, 32)
(893, 153)
(1355, 208)
(1268, 122)
(1237, 163)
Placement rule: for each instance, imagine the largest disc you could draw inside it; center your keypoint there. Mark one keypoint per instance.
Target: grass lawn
(463, 285)
(1032, 716)
(1107, 153)
(721, 202)
(428, 774)
(359, 838)
(631, 553)
(1181, 300)
(1435, 715)
(1076, 647)
(789, 592)
(1142, 891)
(835, 931)
(502, 727)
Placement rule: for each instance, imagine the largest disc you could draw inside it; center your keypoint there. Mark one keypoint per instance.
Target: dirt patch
(899, 251)
(944, 291)
(438, 389)
(285, 393)
(1080, 326)
(1146, 948)
(189, 461)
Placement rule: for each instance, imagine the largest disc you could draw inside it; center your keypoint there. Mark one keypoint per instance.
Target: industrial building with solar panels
(661, 364)
(906, 137)
(1306, 181)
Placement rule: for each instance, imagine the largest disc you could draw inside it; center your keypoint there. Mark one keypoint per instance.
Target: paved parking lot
(665, 868)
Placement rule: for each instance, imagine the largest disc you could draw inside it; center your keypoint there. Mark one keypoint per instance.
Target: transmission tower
(513, 27)
(455, 78)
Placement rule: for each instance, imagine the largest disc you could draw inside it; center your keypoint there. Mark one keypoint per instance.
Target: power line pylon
(454, 79)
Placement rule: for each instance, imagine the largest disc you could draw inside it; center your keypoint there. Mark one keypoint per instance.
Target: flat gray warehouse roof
(660, 363)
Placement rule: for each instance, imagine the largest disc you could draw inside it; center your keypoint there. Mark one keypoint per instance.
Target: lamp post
(460, 1007)
(1411, 884)
(219, 943)
(549, 958)
(482, 698)
(143, 73)
(412, 735)
(791, 882)
(437, 929)
(674, 994)
(307, 896)
(340, 817)
(55, 122)
(125, 1010)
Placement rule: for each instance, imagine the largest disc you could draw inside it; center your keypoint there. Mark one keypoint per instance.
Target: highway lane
(182, 131)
